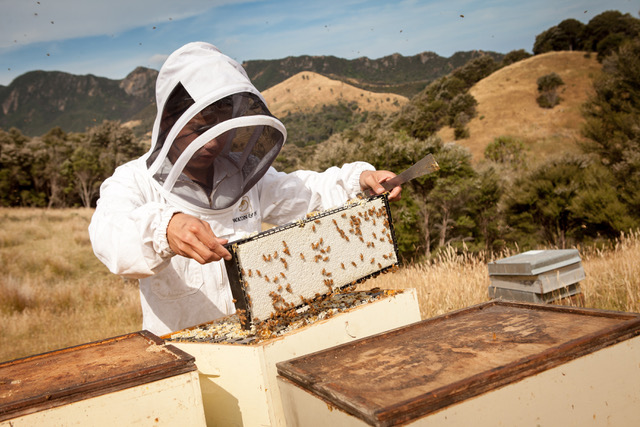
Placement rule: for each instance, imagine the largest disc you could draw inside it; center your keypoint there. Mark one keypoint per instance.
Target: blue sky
(111, 38)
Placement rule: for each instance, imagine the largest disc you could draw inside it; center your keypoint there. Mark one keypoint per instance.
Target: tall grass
(54, 293)
(453, 280)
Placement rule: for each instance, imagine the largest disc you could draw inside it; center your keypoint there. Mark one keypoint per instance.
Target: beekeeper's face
(196, 126)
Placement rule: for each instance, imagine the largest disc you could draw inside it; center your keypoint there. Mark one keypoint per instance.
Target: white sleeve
(286, 197)
(128, 228)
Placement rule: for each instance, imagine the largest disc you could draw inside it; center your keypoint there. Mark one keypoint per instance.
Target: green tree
(612, 116)
(514, 56)
(568, 35)
(444, 102)
(116, 144)
(85, 173)
(486, 196)
(547, 85)
(16, 182)
(548, 205)
(607, 31)
(96, 156)
(452, 195)
(49, 154)
(505, 150)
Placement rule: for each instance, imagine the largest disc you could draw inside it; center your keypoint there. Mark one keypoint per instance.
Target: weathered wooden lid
(532, 263)
(47, 380)
(398, 376)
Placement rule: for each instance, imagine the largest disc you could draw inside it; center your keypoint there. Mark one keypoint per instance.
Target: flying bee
(361, 257)
(302, 256)
(258, 273)
(249, 272)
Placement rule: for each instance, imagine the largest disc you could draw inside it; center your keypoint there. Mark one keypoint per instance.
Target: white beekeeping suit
(213, 144)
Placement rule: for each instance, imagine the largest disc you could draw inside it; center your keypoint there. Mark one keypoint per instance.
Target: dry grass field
(54, 293)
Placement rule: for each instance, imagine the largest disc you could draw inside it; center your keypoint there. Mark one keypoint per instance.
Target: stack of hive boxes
(537, 276)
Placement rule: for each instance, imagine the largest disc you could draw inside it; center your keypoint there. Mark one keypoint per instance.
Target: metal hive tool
(282, 268)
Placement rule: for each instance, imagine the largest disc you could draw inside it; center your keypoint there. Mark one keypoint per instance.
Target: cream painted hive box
(238, 380)
(134, 379)
(498, 363)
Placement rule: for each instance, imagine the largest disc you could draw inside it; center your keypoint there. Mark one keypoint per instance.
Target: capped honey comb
(281, 268)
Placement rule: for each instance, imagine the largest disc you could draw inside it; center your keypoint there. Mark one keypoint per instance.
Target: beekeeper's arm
(286, 197)
(129, 228)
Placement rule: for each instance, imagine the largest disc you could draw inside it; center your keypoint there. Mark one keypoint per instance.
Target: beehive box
(537, 276)
(283, 267)
(238, 378)
(128, 380)
(498, 363)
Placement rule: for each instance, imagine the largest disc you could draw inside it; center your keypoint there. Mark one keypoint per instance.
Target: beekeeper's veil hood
(213, 137)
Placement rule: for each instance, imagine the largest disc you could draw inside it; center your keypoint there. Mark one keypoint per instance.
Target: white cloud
(25, 22)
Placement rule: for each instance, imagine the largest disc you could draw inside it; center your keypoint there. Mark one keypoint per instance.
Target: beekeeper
(207, 179)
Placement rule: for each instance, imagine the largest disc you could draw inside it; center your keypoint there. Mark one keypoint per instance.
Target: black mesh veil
(221, 151)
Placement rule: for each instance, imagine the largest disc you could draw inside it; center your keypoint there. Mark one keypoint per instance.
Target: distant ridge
(38, 101)
(403, 75)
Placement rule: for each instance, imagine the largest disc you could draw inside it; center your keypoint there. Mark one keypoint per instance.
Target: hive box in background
(498, 363)
(537, 276)
(239, 385)
(134, 379)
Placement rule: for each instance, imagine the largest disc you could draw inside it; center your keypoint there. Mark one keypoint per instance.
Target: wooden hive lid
(398, 376)
(56, 378)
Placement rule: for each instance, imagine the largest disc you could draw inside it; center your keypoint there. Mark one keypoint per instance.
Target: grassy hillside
(507, 105)
(308, 91)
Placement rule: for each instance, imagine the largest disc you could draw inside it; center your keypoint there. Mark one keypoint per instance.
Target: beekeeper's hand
(372, 179)
(193, 238)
